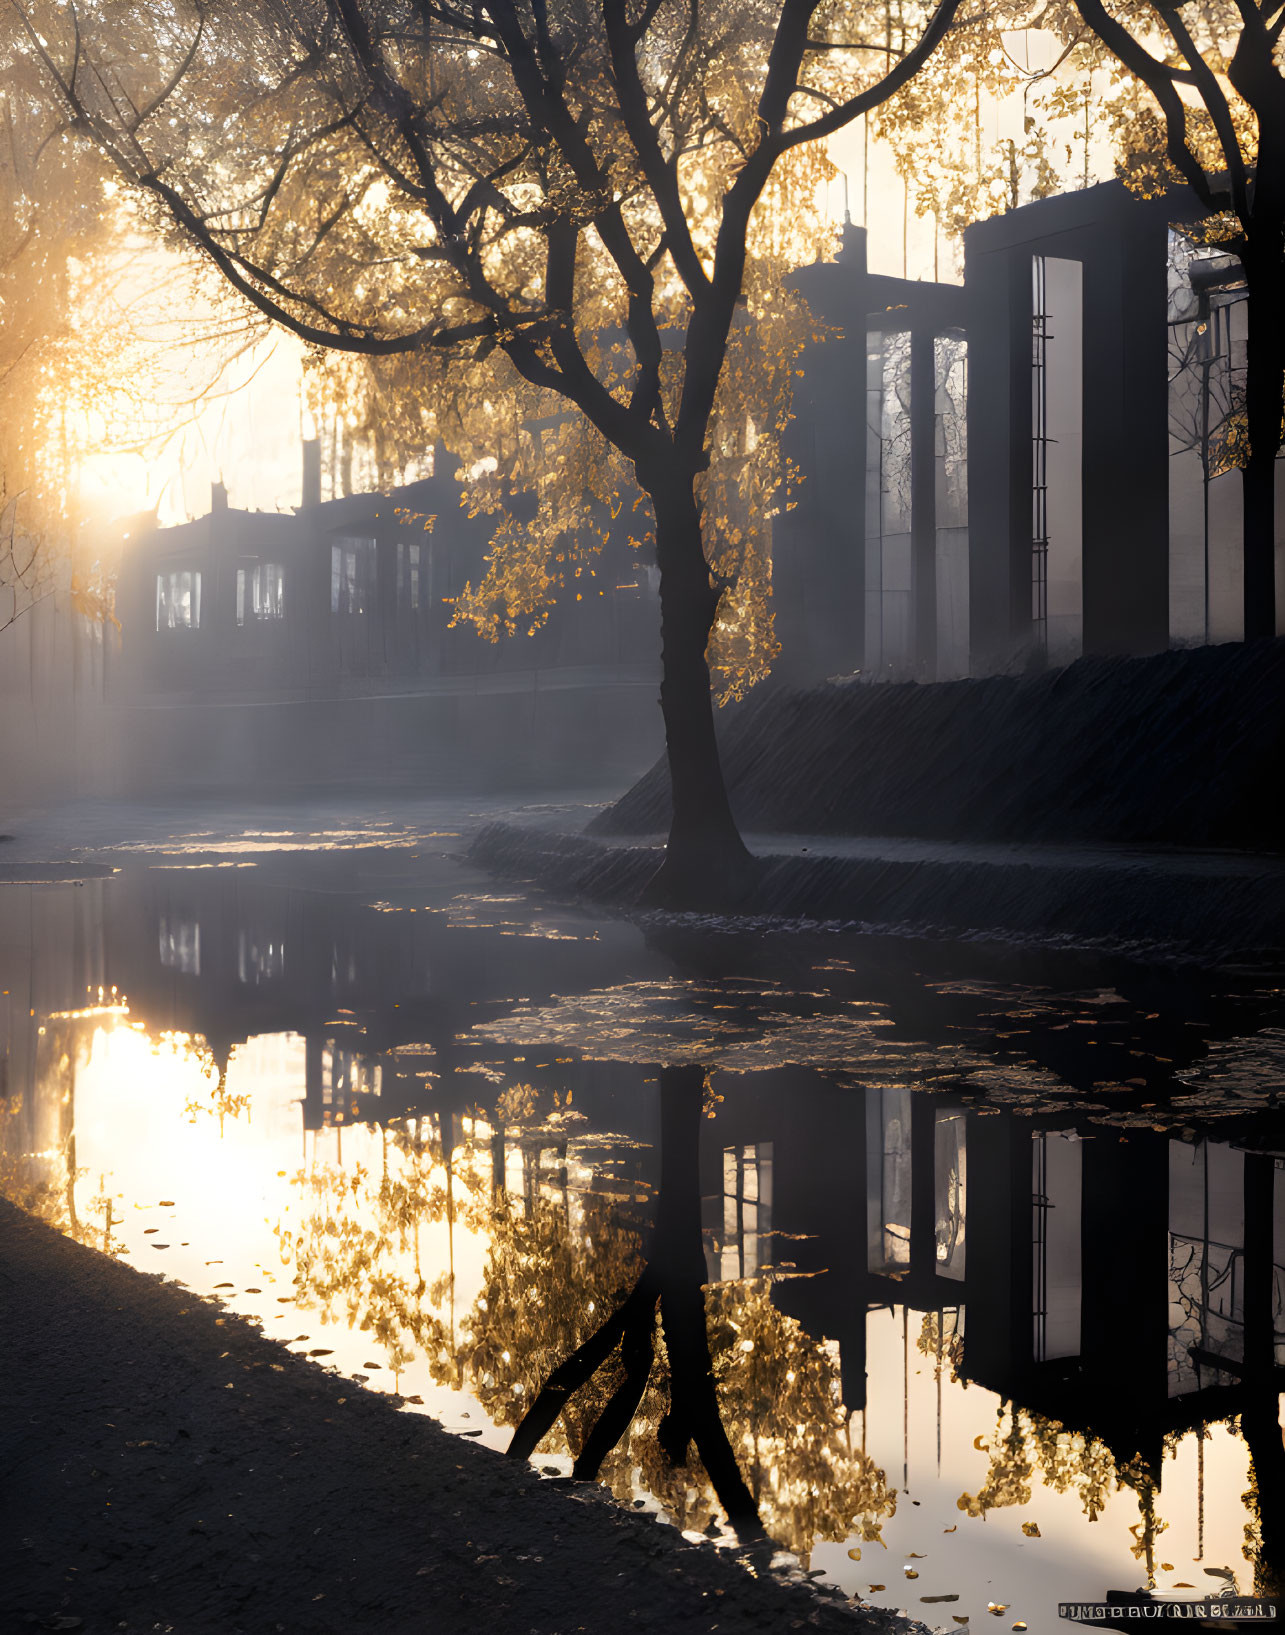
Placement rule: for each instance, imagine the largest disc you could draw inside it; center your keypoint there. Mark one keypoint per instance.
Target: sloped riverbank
(1207, 905)
(169, 1468)
(1180, 748)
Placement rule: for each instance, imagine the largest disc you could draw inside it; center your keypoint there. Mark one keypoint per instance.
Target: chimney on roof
(218, 497)
(311, 471)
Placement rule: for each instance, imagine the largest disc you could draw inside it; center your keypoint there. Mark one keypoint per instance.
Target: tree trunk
(678, 1257)
(706, 862)
(1264, 374)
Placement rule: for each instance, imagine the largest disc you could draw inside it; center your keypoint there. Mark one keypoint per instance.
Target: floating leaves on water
(910, 1572)
(914, 1555)
(1031, 1529)
(997, 1607)
(419, 1403)
(167, 1203)
(927, 1598)
(1166, 1566)
(321, 1351)
(959, 1618)
(875, 1588)
(225, 1285)
(854, 1555)
(952, 1529)
(160, 1246)
(1019, 1626)
(254, 1291)
(981, 1444)
(148, 1230)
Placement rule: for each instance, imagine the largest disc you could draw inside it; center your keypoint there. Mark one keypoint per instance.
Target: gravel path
(165, 1468)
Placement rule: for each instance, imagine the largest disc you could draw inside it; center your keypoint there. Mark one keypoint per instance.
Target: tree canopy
(510, 209)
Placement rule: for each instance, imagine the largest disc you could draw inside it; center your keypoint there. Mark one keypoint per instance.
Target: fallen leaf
(997, 1607)
(1166, 1566)
(915, 1555)
(854, 1555)
(1031, 1529)
(910, 1572)
(953, 1529)
(875, 1588)
(927, 1598)
(321, 1351)
(167, 1203)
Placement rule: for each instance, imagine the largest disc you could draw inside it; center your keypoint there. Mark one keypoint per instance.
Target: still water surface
(986, 1245)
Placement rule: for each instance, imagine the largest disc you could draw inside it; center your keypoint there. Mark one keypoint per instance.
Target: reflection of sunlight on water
(362, 1244)
(949, 1441)
(201, 1197)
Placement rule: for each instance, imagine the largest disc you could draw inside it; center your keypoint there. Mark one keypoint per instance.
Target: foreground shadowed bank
(170, 1467)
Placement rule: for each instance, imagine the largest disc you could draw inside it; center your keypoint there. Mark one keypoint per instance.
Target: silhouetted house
(343, 598)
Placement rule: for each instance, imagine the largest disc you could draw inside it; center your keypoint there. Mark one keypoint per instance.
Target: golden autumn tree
(49, 218)
(936, 127)
(566, 195)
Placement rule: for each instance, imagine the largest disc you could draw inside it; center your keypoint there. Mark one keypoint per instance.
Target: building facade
(1050, 449)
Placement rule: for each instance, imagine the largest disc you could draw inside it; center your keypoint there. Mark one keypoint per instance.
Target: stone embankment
(1196, 905)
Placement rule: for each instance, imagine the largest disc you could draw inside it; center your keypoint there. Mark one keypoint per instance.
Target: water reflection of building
(1127, 1285)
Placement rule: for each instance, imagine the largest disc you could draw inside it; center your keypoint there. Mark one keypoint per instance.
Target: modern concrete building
(1049, 450)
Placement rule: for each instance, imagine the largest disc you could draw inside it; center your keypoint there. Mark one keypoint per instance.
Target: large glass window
(888, 1179)
(889, 644)
(408, 584)
(950, 452)
(178, 600)
(1055, 1235)
(950, 1161)
(352, 575)
(180, 945)
(1206, 1262)
(744, 1244)
(260, 592)
(1208, 353)
(1057, 456)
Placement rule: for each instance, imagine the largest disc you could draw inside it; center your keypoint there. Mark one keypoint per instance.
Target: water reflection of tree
(562, 1342)
(1065, 1461)
(729, 1395)
(43, 1182)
